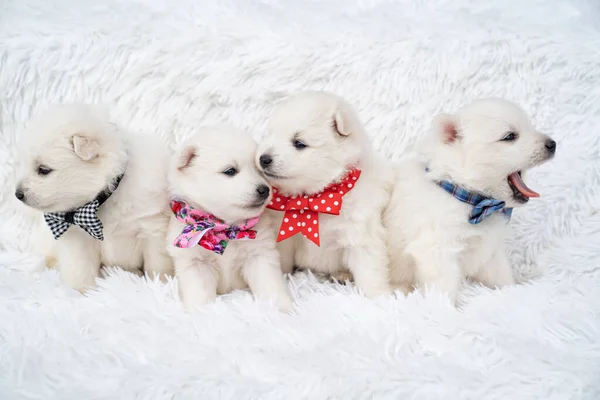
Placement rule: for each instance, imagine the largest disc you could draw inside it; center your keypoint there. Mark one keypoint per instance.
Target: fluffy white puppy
(479, 155)
(102, 191)
(331, 190)
(216, 239)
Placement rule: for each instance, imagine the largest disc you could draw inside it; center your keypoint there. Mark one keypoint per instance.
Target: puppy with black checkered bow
(449, 211)
(102, 192)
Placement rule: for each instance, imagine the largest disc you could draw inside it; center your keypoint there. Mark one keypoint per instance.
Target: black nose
(19, 194)
(550, 145)
(263, 191)
(265, 160)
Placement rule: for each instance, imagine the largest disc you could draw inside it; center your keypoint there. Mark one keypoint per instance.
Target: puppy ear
(185, 157)
(446, 127)
(341, 124)
(85, 147)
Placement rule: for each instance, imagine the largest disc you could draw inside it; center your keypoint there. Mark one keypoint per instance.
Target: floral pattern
(208, 231)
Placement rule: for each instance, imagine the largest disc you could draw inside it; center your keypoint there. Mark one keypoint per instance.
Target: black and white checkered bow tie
(85, 217)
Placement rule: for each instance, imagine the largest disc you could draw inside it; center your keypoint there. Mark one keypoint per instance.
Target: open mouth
(521, 192)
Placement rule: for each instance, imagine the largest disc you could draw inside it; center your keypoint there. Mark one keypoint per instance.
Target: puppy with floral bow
(218, 236)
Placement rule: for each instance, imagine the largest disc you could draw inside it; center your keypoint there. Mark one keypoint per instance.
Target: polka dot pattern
(302, 212)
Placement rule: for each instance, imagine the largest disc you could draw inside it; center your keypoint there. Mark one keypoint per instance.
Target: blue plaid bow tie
(483, 206)
(85, 217)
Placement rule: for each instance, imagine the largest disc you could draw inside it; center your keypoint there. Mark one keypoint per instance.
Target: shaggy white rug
(166, 67)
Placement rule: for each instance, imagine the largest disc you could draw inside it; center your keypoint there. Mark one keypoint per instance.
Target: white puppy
(330, 188)
(218, 196)
(103, 192)
(437, 239)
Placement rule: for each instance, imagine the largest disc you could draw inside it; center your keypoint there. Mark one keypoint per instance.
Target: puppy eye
(43, 170)
(509, 137)
(299, 144)
(230, 172)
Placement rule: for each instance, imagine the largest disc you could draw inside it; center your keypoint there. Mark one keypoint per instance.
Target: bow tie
(85, 217)
(206, 230)
(302, 211)
(483, 206)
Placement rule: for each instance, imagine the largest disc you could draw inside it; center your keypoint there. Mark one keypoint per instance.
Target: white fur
(196, 176)
(85, 152)
(171, 67)
(336, 142)
(432, 244)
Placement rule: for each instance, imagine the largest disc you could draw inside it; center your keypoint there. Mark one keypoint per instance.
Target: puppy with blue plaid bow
(449, 211)
(102, 192)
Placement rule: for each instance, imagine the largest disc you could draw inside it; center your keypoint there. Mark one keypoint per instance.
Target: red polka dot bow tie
(302, 211)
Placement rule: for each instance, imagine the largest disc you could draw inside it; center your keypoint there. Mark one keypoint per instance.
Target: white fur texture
(170, 68)
(434, 246)
(68, 154)
(198, 176)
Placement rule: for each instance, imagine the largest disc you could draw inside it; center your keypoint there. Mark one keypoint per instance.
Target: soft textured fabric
(483, 206)
(167, 67)
(301, 212)
(204, 229)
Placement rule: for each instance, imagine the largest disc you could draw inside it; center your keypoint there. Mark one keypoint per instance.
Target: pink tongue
(517, 182)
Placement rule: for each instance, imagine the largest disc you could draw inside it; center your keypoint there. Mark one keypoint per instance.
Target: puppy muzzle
(265, 161)
(19, 194)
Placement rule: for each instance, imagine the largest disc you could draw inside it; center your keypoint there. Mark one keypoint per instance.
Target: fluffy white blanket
(166, 67)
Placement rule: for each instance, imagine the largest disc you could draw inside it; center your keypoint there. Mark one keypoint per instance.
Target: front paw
(378, 291)
(284, 303)
(78, 282)
(341, 277)
(163, 277)
(192, 302)
(404, 288)
(450, 292)
(51, 262)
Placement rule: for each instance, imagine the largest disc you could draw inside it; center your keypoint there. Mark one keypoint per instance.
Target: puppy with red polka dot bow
(329, 192)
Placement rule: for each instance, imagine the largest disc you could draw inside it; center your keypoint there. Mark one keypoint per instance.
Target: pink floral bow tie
(206, 230)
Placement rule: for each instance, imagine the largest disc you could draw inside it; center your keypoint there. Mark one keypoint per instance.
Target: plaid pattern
(85, 217)
(483, 206)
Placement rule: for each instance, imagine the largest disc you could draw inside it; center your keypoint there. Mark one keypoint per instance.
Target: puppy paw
(375, 292)
(450, 293)
(284, 303)
(342, 277)
(51, 262)
(163, 277)
(192, 302)
(83, 290)
(296, 269)
(404, 288)
(80, 284)
(137, 272)
(452, 297)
